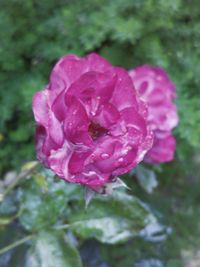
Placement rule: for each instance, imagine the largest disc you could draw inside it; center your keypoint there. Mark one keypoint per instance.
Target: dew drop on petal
(104, 156)
(120, 160)
(123, 128)
(126, 150)
(90, 173)
(93, 113)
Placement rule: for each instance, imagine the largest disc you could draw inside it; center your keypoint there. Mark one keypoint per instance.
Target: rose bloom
(157, 90)
(91, 126)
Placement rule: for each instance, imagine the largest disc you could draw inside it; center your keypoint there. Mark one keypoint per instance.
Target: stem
(63, 226)
(15, 244)
(22, 175)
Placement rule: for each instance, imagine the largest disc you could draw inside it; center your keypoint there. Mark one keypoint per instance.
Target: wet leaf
(51, 250)
(41, 208)
(8, 206)
(111, 219)
(14, 257)
(146, 178)
(155, 232)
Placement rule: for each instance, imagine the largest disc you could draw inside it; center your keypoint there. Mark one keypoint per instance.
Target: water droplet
(91, 173)
(105, 156)
(126, 150)
(72, 177)
(123, 128)
(120, 160)
(141, 155)
(93, 113)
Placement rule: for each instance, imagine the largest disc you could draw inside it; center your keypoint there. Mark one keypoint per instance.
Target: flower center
(96, 130)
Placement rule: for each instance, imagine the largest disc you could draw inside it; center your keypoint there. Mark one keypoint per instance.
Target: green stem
(22, 175)
(15, 244)
(61, 227)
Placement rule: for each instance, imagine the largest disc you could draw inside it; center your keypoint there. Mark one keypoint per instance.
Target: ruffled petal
(77, 160)
(98, 64)
(93, 89)
(162, 151)
(76, 122)
(40, 107)
(67, 70)
(59, 107)
(107, 116)
(124, 95)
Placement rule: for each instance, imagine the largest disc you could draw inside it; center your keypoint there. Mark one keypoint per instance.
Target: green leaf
(146, 178)
(41, 181)
(43, 201)
(8, 206)
(4, 220)
(111, 219)
(51, 250)
(17, 256)
(14, 257)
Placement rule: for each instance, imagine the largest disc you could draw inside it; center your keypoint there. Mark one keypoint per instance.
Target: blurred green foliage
(33, 35)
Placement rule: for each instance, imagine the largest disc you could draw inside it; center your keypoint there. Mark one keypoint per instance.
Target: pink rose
(156, 89)
(91, 126)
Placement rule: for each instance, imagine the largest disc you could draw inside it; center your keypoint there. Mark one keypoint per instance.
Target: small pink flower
(91, 126)
(156, 89)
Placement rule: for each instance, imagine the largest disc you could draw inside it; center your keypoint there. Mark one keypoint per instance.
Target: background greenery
(34, 34)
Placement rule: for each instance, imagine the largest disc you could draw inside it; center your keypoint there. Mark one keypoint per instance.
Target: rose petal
(40, 107)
